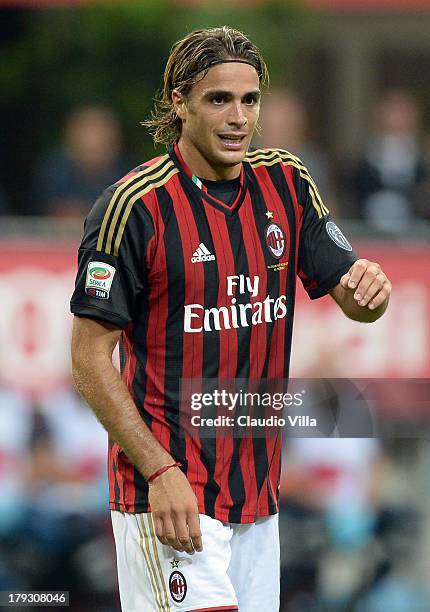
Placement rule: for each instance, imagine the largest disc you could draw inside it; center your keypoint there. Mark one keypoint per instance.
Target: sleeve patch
(337, 236)
(99, 279)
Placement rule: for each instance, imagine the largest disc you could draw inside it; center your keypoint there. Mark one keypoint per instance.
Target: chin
(230, 158)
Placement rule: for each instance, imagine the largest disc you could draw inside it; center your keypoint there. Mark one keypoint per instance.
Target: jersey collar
(198, 186)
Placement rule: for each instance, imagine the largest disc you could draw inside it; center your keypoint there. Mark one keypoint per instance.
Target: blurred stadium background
(351, 95)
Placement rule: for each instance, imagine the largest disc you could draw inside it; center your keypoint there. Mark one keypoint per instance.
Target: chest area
(209, 257)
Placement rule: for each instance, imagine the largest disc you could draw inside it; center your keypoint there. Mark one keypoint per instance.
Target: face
(218, 120)
(93, 138)
(283, 121)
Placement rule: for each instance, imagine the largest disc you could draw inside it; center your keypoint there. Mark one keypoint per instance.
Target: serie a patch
(99, 279)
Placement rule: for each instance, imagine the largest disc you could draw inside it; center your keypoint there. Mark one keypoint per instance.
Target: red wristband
(162, 470)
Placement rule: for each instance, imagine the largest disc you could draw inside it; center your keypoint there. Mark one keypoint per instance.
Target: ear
(179, 103)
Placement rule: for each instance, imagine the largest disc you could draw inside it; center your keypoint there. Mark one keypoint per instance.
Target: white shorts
(237, 569)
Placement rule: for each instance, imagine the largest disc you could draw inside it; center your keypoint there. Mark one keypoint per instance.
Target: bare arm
(173, 503)
(363, 292)
(100, 384)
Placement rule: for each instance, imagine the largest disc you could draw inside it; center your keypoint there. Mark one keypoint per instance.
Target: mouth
(232, 142)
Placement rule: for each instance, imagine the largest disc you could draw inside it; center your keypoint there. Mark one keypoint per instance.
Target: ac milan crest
(275, 239)
(177, 586)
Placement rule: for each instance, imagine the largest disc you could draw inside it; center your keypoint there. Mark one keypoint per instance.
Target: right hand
(175, 511)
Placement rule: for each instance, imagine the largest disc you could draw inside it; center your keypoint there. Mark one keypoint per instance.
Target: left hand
(370, 285)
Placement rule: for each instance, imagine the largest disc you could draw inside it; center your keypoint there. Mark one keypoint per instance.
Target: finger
(356, 272)
(169, 533)
(372, 290)
(369, 285)
(158, 528)
(344, 280)
(195, 531)
(182, 534)
(365, 281)
(163, 539)
(381, 297)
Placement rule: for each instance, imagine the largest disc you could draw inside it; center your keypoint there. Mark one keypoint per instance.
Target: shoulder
(259, 159)
(269, 157)
(140, 180)
(121, 208)
(144, 178)
(304, 185)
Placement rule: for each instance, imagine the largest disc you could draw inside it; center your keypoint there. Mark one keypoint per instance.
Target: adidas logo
(202, 254)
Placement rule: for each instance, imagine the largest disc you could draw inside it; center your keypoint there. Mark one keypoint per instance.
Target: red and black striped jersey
(205, 290)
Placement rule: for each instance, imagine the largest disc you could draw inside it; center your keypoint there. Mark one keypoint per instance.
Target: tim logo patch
(99, 279)
(177, 586)
(336, 235)
(275, 240)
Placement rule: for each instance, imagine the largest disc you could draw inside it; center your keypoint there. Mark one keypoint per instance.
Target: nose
(237, 116)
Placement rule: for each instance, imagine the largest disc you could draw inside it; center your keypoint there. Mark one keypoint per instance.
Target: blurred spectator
(284, 125)
(329, 495)
(350, 519)
(15, 432)
(69, 179)
(69, 456)
(389, 180)
(68, 527)
(340, 475)
(327, 519)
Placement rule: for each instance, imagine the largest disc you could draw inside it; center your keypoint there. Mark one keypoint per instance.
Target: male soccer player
(190, 262)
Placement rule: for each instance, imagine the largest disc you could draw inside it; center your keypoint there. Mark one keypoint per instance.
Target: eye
(250, 99)
(218, 99)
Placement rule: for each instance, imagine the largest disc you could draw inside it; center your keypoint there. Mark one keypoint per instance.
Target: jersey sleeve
(112, 260)
(325, 254)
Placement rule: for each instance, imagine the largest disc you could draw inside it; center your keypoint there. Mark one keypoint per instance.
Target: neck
(201, 167)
